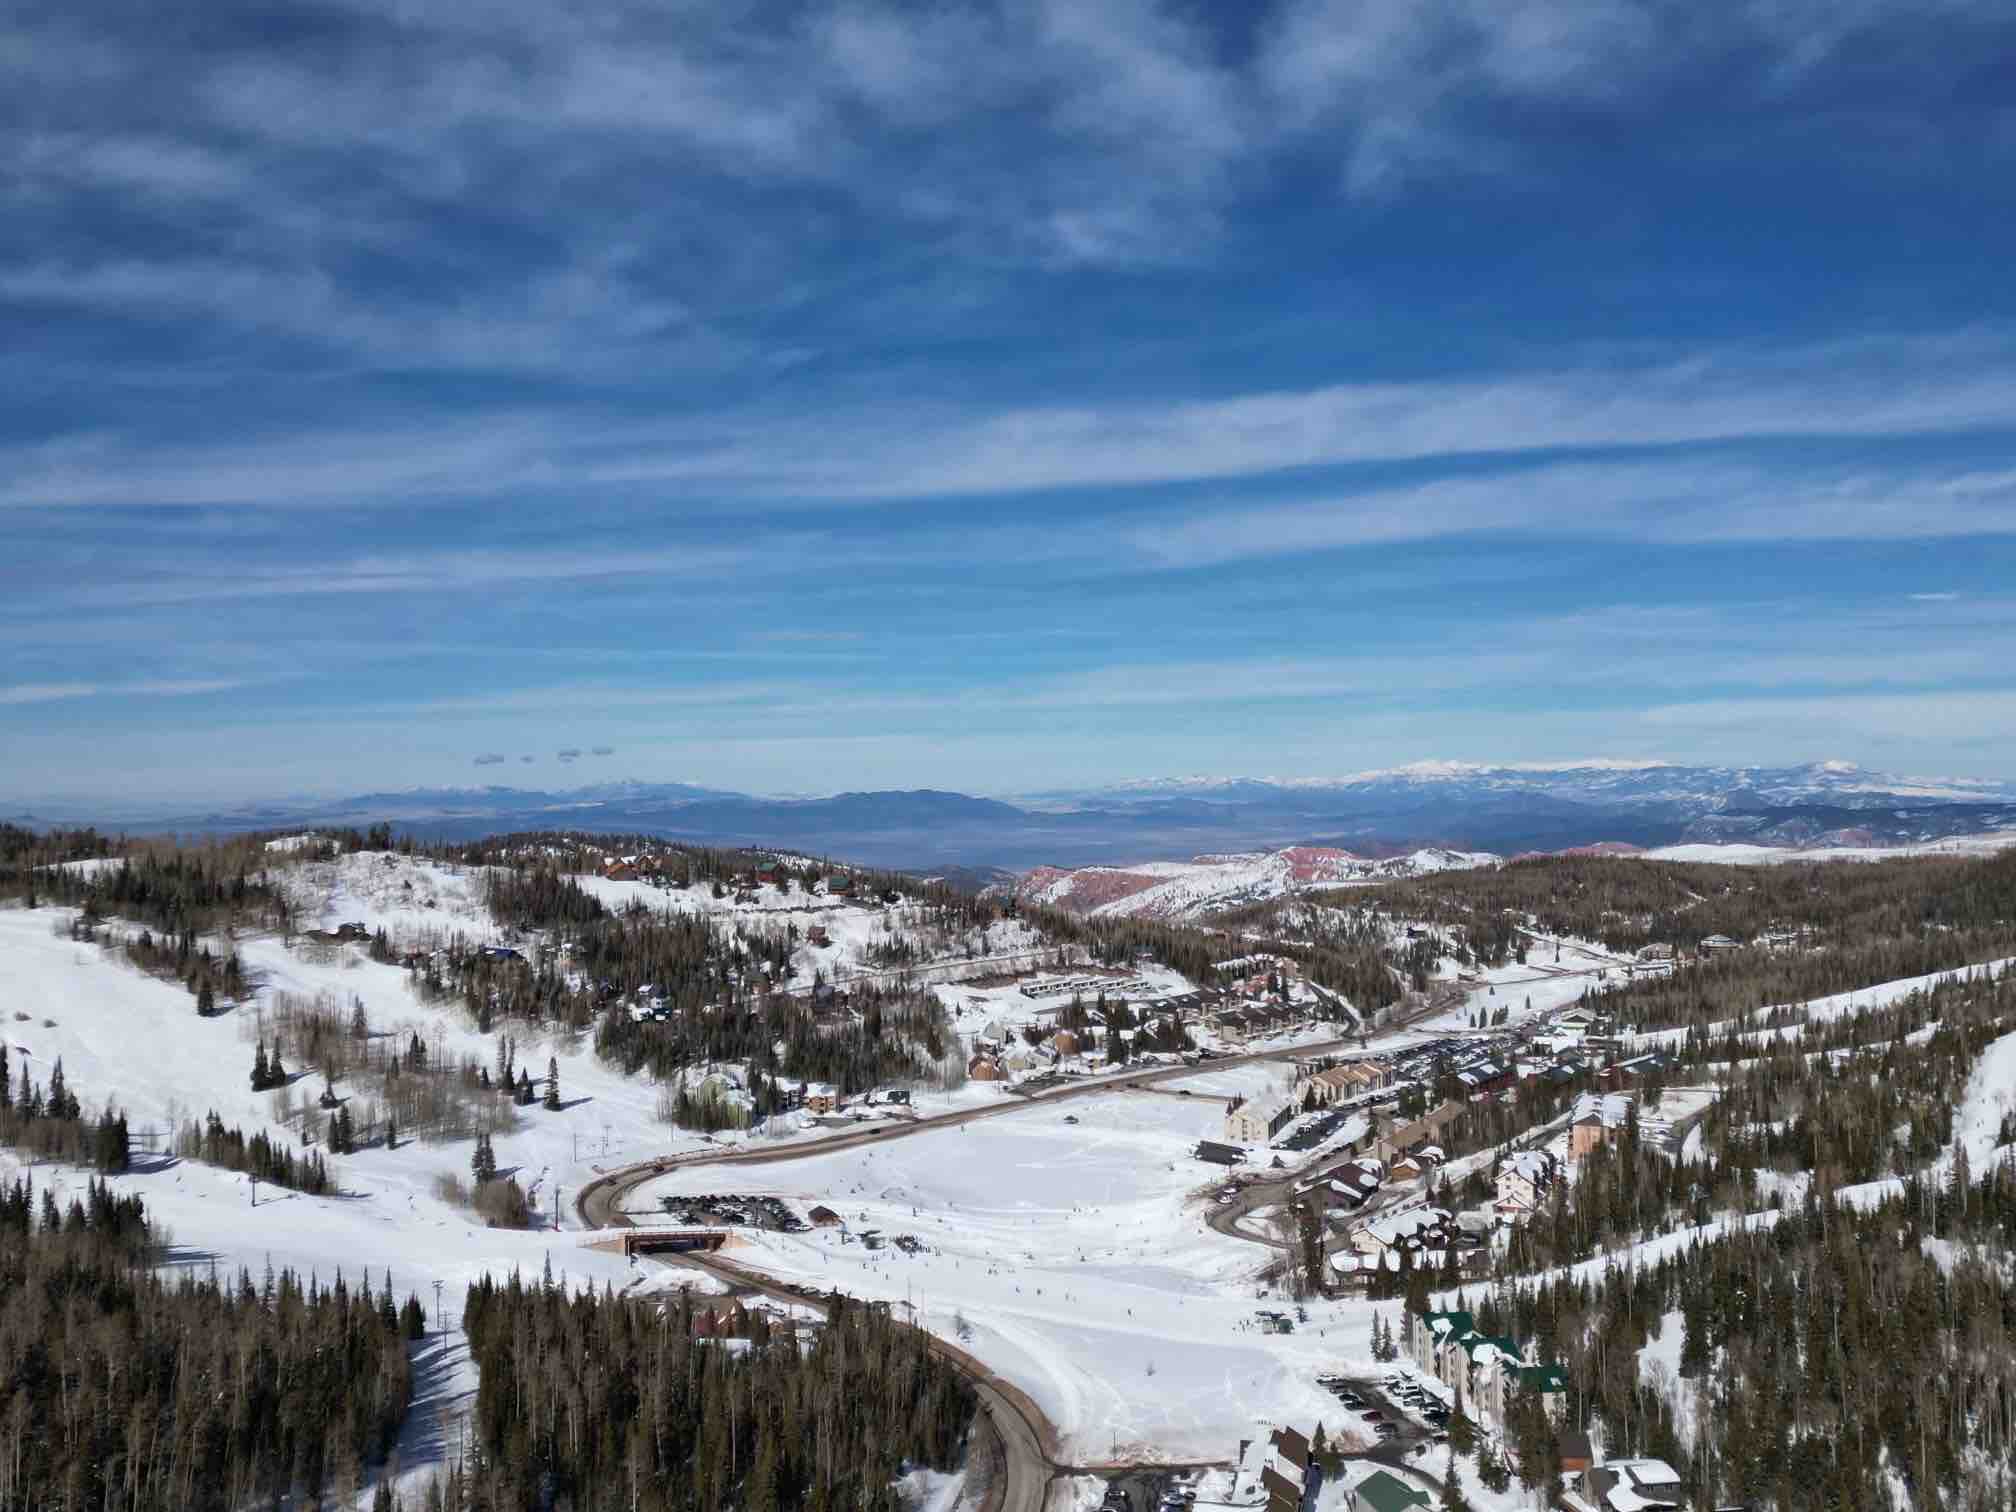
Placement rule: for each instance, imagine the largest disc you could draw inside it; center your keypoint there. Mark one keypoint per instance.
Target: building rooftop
(1382, 1491)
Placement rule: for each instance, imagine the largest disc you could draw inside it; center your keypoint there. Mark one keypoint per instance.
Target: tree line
(50, 1123)
(124, 1388)
(588, 1401)
(1624, 903)
(1827, 1347)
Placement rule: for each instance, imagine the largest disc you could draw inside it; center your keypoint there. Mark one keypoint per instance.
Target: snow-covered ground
(852, 927)
(1007, 1203)
(1255, 1080)
(1862, 1000)
(134, 1040)
(90, 867)
(1738, 854)
(1838, 1005)
(1207, 884)
(1991, 1093)
(1075, 1260)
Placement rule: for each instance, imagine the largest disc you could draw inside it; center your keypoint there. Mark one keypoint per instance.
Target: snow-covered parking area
(1071, 1258)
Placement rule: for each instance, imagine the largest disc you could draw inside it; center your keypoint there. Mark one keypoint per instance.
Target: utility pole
(255, 1191)
(437, 1307)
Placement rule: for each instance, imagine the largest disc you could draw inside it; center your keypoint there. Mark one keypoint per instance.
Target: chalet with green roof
(1382, 1491)
(1425, 1333)
(1490, 1370)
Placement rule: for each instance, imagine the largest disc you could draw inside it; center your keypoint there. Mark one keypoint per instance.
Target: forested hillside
(124, 1387)
(590, 1402)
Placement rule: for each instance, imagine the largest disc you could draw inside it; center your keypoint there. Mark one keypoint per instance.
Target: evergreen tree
(206, 1000)
(1462, 1432)
(553, 1083)
(261, 1080)
(1452, 1492)
(1491, 1471)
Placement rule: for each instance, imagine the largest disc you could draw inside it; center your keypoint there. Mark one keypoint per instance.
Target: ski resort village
(1352, 1191)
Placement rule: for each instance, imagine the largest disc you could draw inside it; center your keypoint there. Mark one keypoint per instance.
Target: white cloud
(1406, 89)
(33, 693)
(1953, 719)
(922, 450)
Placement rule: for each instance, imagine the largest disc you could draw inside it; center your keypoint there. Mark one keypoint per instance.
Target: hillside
(1190, 890)
(1159, 1254)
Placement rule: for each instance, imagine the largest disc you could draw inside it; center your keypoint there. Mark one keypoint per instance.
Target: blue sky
(999, 396)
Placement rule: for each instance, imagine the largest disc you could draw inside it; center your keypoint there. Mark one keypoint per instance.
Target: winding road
(1029, 1442)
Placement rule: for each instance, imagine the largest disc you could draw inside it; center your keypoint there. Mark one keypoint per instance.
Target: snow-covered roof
(1395, 1228)
(1612, 1108)
(1535, 1165)
(1654, 1472)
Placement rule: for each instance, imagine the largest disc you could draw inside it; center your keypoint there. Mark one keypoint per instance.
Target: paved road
(1029, 1440)
(1271, 1191)
(599, 1201)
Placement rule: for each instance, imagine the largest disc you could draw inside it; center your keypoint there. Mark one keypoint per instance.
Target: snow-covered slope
(1737, 854)
(1190, 889)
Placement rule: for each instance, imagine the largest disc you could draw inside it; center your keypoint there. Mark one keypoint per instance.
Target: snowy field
(851, 925)
(134, 1040)
(1257, 1080)
(1986, 844)
(1081, 1266)
(1075, 1260)
(1838, 1005)
(1208, 884)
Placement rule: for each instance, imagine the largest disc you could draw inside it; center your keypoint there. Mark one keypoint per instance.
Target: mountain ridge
(1460, 807)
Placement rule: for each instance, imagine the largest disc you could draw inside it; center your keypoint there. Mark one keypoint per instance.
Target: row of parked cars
(1402, 1392)
(1418, 1399)
(1179, 1496)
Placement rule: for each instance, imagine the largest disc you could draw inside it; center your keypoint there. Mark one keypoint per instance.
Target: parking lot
(734, 1212)
(1150, 1491)
(1394, 1406)
(1314, 1130)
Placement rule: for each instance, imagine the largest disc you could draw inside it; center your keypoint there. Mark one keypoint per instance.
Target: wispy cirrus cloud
(58, 692)
(923, 451)
(141, 581)
(1964, 719)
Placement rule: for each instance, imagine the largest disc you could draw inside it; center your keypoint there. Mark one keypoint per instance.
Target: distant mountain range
(1449, 805)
